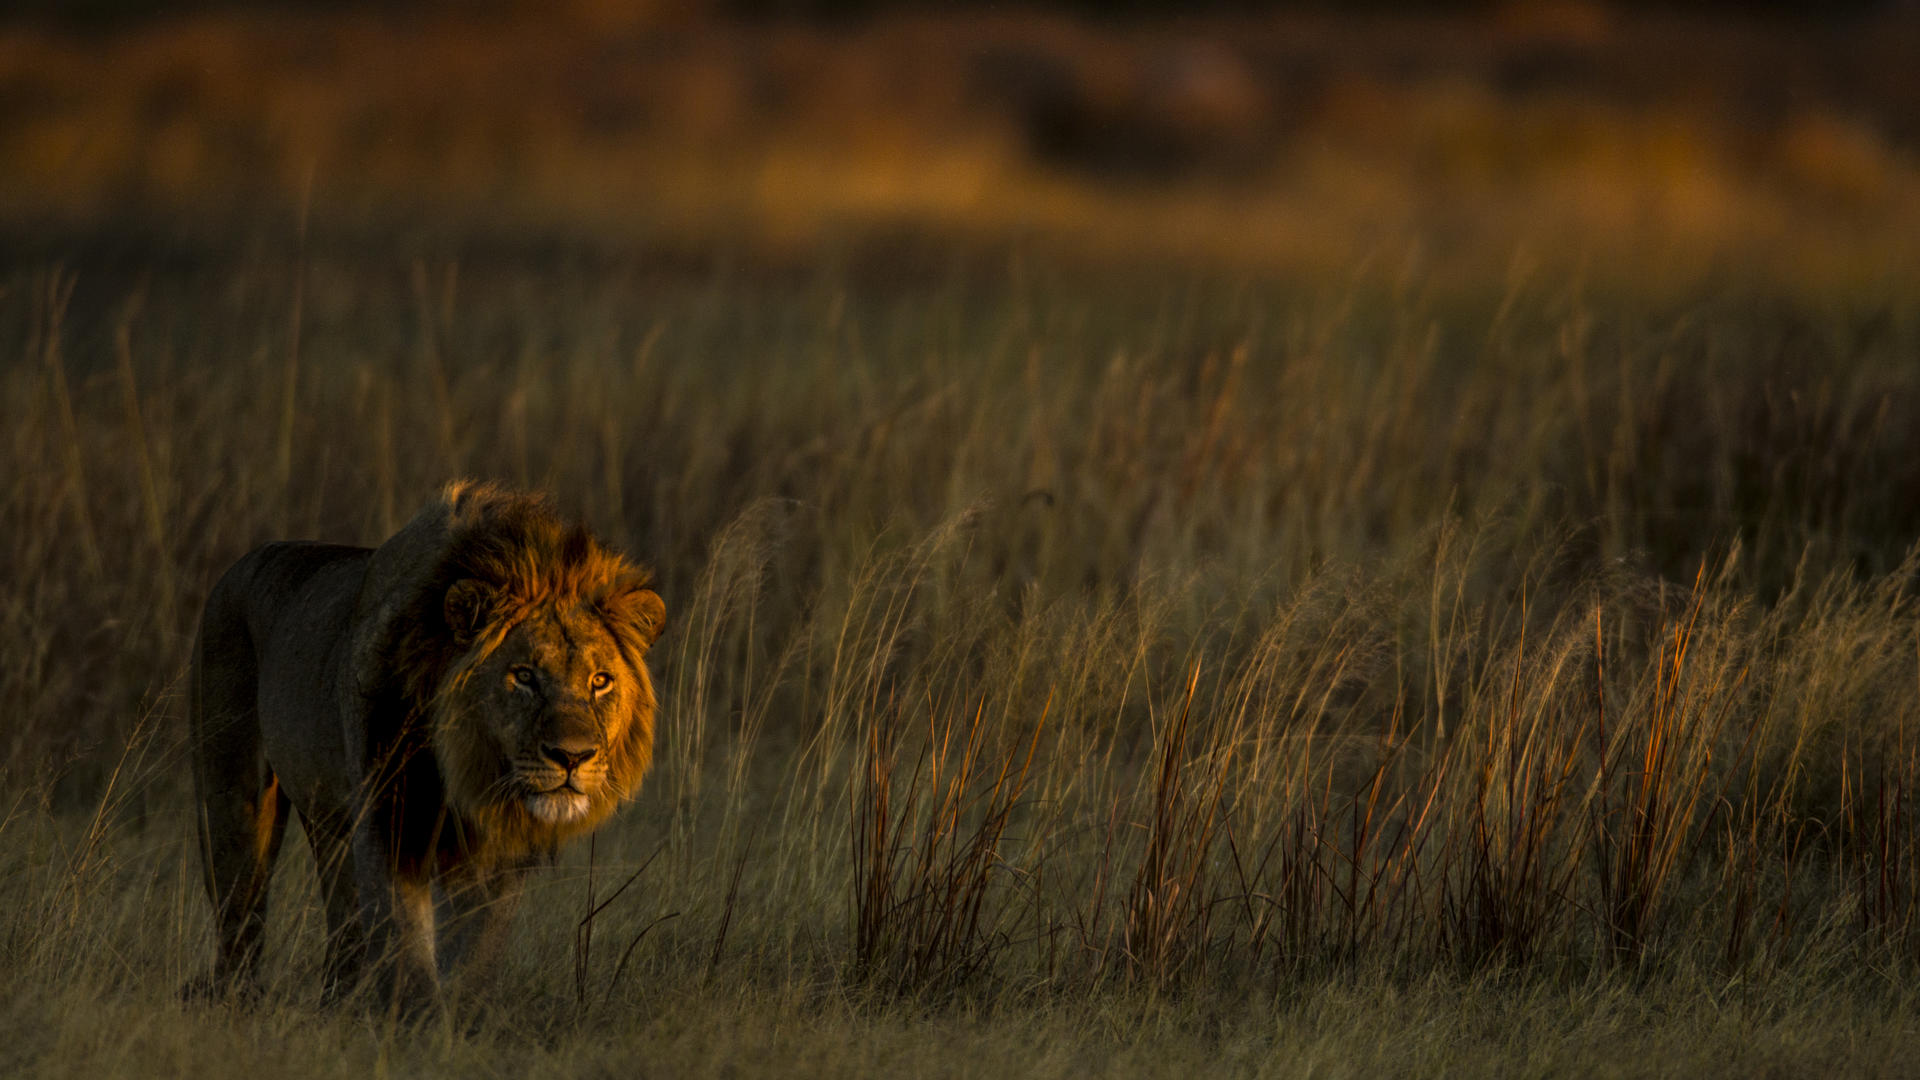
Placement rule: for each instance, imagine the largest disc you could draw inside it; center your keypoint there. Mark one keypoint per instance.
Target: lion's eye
(601, 680)
(523, 675)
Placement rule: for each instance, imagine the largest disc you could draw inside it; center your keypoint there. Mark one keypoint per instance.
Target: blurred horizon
(1680, 140)
(109, 12)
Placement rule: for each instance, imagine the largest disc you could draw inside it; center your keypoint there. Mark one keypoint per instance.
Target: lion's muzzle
(565, 769)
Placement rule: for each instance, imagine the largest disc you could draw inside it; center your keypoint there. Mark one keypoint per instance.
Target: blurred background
(1678, 139)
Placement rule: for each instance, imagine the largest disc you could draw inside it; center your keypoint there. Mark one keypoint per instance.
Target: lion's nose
(570, 754)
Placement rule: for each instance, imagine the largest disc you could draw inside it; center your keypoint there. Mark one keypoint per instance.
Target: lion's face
(551, 718)
(551, 702)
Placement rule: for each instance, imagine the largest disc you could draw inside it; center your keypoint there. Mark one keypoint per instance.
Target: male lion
(441, 711)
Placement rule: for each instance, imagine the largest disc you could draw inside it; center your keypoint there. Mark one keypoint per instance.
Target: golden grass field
(1104, 639)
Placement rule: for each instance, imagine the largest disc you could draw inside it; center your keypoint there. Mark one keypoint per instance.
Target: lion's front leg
(396, 912)
(479, 901)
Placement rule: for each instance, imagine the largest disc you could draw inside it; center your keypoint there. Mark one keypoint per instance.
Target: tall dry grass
(1040, 644)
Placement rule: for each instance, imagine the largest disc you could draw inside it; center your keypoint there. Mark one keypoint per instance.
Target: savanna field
(1407, 607)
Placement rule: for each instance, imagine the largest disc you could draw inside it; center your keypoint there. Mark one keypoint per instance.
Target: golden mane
(518, 546)
(523, 557)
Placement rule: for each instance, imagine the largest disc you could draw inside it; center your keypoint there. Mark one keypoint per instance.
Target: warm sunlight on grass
(1415, 580)
(1043, 644)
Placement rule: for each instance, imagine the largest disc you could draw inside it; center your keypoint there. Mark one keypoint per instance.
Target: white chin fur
(557, 807)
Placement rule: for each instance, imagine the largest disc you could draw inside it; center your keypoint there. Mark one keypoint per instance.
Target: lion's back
(272, 632)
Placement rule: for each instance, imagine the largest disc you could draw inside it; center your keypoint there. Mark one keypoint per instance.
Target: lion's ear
(469, 605)
(640, 609)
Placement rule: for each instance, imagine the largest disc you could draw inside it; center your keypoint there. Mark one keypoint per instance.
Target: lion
(441, 712)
